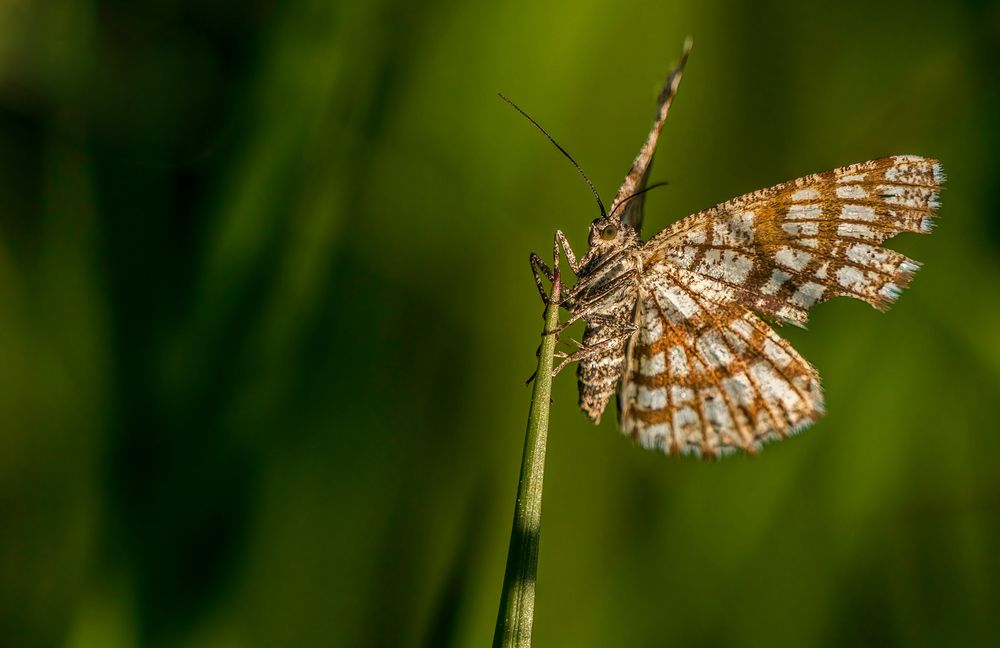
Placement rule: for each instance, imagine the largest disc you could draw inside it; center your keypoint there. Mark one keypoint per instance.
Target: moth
(674, 324)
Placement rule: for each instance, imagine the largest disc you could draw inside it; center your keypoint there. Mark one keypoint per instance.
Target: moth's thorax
(594, 277)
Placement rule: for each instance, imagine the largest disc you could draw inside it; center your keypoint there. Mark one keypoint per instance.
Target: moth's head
(608, 233)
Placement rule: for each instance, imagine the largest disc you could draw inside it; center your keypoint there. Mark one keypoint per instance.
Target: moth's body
(610, 321)
(670, 323)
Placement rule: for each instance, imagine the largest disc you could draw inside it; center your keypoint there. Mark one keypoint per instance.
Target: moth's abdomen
(598, 375)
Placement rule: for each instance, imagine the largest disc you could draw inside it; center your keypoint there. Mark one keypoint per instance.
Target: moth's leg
(613, 329)
(596, 276)
(610, 287)
(573, 319)
(623, 330)
(607, 321)
(537, 265)
(560, 239)
(563, 354)
(583, 309)
(625, 277)
(552, 274)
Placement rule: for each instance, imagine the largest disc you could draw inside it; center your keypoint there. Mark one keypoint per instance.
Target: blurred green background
(266, 316)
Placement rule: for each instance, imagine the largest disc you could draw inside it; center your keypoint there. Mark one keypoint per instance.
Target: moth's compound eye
(609, 232)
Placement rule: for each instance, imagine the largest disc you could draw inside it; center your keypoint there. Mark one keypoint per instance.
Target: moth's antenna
(639, 193)
(590, 184)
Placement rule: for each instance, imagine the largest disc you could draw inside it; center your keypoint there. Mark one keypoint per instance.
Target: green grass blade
(517, 601)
